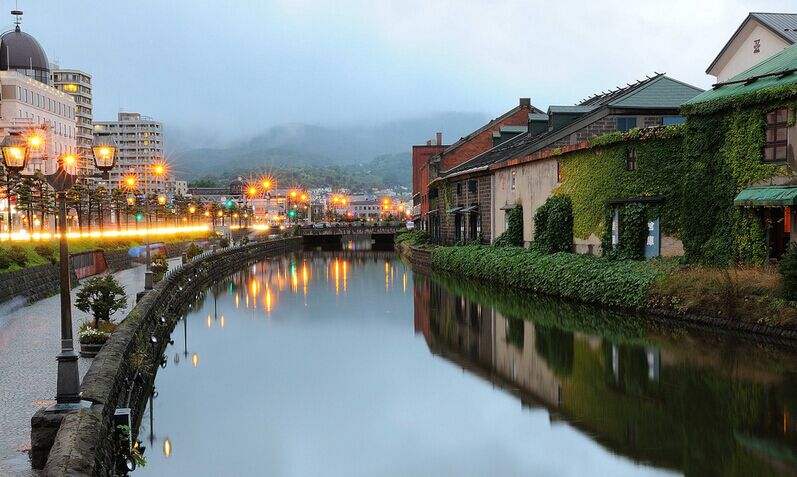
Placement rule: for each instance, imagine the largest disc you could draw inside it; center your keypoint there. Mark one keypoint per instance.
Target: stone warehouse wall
(85, 444)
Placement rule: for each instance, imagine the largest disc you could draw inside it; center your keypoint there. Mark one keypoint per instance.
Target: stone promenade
(29, 342)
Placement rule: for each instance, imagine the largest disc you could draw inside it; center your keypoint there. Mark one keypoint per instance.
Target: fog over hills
(374, 152)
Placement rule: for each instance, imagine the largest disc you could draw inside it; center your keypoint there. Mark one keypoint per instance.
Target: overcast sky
(236, 67)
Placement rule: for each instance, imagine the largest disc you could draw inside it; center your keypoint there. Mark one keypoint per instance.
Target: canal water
(347, 364)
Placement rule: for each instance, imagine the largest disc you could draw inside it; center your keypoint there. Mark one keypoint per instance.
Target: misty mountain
(380, 150)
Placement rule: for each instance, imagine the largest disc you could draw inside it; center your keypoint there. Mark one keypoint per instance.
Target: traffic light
(292, 213)
(228, 203)
(139, 216)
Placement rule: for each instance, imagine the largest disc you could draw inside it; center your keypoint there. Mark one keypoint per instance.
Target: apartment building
(140, 142)
(77, 84)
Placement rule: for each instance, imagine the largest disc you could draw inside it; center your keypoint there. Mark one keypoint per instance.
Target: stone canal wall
(419, 258)
(40, 281)
(121, 375)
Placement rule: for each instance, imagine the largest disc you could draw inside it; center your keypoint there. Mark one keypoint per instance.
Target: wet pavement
(29, 342)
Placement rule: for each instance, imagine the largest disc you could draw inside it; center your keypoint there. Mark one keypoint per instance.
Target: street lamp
(15, 156)
(15, 152)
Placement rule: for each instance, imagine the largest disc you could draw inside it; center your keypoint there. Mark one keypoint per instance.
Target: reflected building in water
(673, 403)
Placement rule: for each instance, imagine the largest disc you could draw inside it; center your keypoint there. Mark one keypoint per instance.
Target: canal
(347, 364)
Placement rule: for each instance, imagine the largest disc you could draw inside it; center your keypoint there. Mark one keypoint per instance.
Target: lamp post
(15, 155)
(15, 149)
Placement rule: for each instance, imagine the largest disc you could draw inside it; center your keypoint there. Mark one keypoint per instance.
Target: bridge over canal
(332, 234)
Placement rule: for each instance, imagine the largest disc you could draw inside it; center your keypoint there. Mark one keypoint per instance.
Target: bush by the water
(192, 251)
(788, 269)
(413, 237)
(578, 277)
(513, 236)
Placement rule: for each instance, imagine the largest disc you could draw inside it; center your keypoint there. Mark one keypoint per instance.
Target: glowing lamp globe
(104, 150)
(15, 152)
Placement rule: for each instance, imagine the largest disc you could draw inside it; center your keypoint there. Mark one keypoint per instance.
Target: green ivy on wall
(513, 236)
(593, 176)
(553, 225)
(633, 232)
(723, 152)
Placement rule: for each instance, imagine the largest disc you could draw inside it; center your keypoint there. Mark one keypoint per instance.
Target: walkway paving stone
(29, 342)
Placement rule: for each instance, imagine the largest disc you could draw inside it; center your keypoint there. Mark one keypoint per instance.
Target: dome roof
(20, 51)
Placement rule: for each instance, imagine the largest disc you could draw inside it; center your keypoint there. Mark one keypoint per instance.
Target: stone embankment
(122, 374)
(41, 281)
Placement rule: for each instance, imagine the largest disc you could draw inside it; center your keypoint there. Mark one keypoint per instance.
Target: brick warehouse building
(421, 156)
(503, 128)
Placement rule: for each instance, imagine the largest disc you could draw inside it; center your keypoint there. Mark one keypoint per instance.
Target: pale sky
(235, 67)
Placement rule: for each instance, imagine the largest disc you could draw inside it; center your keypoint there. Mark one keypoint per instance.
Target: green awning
(767, 196)
(453, 210)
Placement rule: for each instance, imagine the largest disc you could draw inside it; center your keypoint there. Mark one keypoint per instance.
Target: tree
(102, 296)
(75, 200)
(119, 204)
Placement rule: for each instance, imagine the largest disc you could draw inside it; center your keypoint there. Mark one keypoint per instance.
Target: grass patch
(749, 293)
(41, 252)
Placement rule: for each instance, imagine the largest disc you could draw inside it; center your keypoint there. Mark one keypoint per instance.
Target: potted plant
(101, 296)
(159, 267)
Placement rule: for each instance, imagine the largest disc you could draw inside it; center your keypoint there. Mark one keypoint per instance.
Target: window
(472, 185)
(514, 173)
(624, 124)
(756, 46)
(630, 159)
(672, 120)
(558, 171)
(459, 188)
(777, 129)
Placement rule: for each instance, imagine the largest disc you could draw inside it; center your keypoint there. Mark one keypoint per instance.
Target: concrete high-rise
(77, 84)
(140, 142)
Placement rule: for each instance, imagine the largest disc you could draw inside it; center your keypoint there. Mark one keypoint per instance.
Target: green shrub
(18, 255)
(5, 261)
(192, 251)
(102, 296)
(513, 236)
(553, 225)
(160, 264)
(632, 235)
(788, 269)
(46, 252)
(413, 238)
(578, 277)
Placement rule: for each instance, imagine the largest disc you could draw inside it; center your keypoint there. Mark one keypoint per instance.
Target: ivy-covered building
(530, 169)
(740, 188)
(624, 188)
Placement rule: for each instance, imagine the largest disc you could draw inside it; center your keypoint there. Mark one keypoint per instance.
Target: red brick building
(430, 167)
(421, 156)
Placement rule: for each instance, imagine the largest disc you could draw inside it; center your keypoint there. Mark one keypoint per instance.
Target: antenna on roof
(18, 19)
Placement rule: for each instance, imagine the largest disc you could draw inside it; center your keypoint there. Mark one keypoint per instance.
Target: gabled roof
(659, 91)
(487, 127)
(782, 24)
(489, 156)
(538, 117)
(779, 69)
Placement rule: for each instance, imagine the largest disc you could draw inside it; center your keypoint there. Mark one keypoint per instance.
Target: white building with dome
(30, 104)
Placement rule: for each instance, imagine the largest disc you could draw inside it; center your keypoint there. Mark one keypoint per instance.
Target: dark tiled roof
(497, 153)
(486, 127)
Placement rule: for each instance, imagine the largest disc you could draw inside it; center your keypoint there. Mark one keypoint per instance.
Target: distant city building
(140, 142)
(30, 105)
(77, 84)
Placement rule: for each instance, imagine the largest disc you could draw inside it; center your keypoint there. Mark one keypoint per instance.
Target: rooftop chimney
(439, 139)
(525, 103)
(429, 142)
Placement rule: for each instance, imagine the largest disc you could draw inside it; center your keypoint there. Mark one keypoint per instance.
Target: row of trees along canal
(95, 205)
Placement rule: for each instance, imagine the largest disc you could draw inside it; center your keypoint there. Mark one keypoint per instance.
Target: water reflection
(319, 363)
(677, 400)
